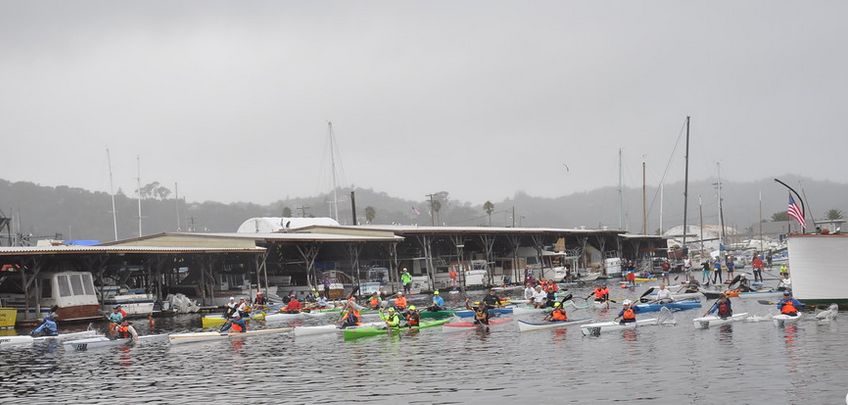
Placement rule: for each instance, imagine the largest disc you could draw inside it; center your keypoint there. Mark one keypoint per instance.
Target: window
(46, 288)
(88, 284)
(64, 287)
(76, 283)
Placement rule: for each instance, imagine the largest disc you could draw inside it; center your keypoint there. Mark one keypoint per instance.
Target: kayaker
(551, 289)
(785, 283)
(151, 323)
(722, 307)
(558, 314)
(663, 295)
(322, 302)
(230, 309)
(125, 331)
(481, 312)
(406, 280)
(438, 302)
(115, 317)
(783, 269)
(236, 322)
(601, 294)
(627, 313)
(744, 286)
(260, 299)
(122, 310)
(350, 317)
(293, 307)
(691, 285)
(400, 302)
(540, 298)
(789, 305)
(47, 327)
(392, 319)
(311, 297)
(413, 318)
(243, 309)
(492, 300)
(54, 313)
(529, 292)
(375, 301)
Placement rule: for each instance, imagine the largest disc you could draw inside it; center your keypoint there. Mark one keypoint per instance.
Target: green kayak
(445, 313)
(350, 334)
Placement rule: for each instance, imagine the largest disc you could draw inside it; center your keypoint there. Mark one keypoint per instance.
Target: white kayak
(523, 310)
(595, 329)
(328, 329)
(600, 304)
(712, 320)
(781, 320)
(98, 342)
(524, 326)
(28, 340)
(177, 338)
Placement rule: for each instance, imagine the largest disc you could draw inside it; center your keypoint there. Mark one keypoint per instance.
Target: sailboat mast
(333, 169)
(686, 186)
(701, 215)
(761, 222)
(662, 196)
(620, 195)
(644, 202)
(112, 193)
(138, 182)
(720, 208)
(177, 203)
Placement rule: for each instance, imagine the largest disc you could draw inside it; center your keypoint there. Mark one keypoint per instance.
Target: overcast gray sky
(481, 99)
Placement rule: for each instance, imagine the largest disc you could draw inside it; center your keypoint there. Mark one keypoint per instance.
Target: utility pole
(177, 203)
(644, 202)
(686, 186)
(112, 193)
(353, 206)
(701, 215)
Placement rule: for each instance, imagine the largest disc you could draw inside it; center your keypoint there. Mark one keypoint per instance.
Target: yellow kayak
(645, 280)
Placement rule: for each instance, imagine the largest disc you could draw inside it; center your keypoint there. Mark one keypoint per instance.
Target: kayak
(595, 329)
(28, 340)
(98, 342)
(752, 294)
(328, 329)
(177, 338)
(781, 320)
(675, 306)
(375, 331)
(600, 304)
(467, 313)
(466, 325)
(524, 326)
(445, 313)
(644, 279)
(522, 310)
(712, 320)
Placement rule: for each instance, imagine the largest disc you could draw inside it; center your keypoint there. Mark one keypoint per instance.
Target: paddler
(125, 331)
(492, 300)
(259, 301)
(438, 302)
(312, 296)
(692, 285)
(392, 319)
(789, 305)
(529, 292)
(243, 308)
(293, 307)
(413, 318)
(374, 302)
(230, 308)
(722, 307)
(551, 289)
(601, 293)
(116, 316)
(628, 312)
(47, 327)
(238, 321)
(785, 283)
(322, 302)
(350, 317)
(540, 298)
(558, 314)
(400, 302)
(481, 312)
(663, 295)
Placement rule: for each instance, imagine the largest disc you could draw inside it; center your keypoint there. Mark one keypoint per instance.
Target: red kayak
(470, 324)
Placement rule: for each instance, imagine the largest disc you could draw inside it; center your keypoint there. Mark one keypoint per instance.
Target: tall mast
(333, 169)
(761, 222)
(662, 196)
(112, 193)
(620, 195)
(686, 186)
(644, 201)
(722, 233)
(138, 180)
(177, 203)
(701, 215)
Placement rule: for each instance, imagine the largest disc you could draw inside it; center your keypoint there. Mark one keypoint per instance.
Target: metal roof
(413, 229)
(59, 250)
(273, 236)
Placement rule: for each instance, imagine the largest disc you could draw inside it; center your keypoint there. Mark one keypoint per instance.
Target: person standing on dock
(705, 271)
(757, 265)
(731, 266)
(453, 277)
(406, 280)
(717, 271)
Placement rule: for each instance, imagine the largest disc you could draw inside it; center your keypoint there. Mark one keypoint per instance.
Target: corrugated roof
(273, 236)
(412, 229)
(58, 250)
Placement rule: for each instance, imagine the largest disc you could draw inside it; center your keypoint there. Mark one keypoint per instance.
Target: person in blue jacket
(47, 328)
(789, 305)
(438, 302)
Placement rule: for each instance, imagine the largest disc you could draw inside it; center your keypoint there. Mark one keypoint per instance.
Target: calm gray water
(745, 363)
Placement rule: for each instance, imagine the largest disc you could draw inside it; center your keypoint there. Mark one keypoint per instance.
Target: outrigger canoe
(28, 340)
(467, 313)
(177, 338)
(595, 329)
(524, 326)
(327, 329)
(781, 320)
(674, 306)
(712, 320)
(350, 334)
(99, 342)
(466, 325)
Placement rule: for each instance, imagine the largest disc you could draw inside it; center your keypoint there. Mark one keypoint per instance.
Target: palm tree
(489, 208)
(370, 213)
(287, 213)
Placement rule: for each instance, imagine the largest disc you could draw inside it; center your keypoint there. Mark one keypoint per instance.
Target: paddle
(711, 306)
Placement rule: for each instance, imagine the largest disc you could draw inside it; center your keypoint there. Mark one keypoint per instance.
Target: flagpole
(803, 208)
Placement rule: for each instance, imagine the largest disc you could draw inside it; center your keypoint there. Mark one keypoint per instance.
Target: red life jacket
(599, 294)
(723, 309)
(400, 302)
(629, 315)
(123, 331)
(412, 320)
(788, 308)
(559, 315)
(375, 302)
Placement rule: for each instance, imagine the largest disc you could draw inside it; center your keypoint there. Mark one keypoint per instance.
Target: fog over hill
(80, 214)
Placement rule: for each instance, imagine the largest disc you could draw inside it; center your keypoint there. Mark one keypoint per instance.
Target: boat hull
(675, 306)
(782, 320)
(710, 321)
(467, 325)
(180, 338)
(376, 331)
(467, 313)
(524, 326)
(595, 329)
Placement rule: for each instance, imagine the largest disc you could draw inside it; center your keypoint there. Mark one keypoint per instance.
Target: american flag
(795, 212)
(415, 211)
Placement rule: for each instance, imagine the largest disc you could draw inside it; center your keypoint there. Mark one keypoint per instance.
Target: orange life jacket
(412, 320)
(400, 302)
(599, 293)
(236, 327)
(629, 314)
(123, 330)
(788, 309)
(375, 302)
(559, 315)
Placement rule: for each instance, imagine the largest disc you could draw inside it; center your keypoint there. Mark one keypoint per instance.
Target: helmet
(400, 293)
(232, 299)
(557, 304)
(436, 292)
(626, 302)
(412, 307)
(786, 293)
(391, 309)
